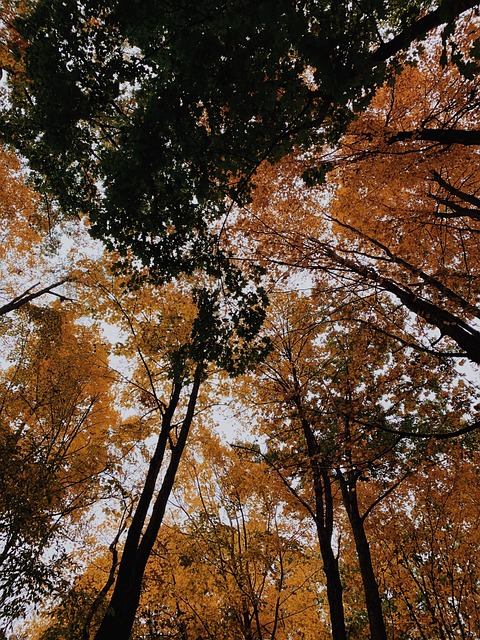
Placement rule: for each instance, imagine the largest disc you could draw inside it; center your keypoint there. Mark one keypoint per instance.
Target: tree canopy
(152, 117)
(287, 199)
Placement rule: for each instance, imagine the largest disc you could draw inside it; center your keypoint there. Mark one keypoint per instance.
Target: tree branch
(29, 295)
(447, 12)
(461, 195)
(415, 434)
(443, 136)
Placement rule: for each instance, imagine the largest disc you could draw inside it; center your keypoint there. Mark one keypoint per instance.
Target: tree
(238, 565)
(168, 354)
(56, 421)
(29, 225)
(24, 230)
(392, 221)
(113, 107)
(153, 119)
(335, 405)
(230, 562)
(419, 251)
(167, 348)
(426, 548)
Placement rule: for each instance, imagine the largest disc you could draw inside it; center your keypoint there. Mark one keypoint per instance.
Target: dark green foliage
(152, 116)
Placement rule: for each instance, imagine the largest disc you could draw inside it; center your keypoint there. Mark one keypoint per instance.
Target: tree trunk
(324, 523)
(120, 616)
(370, 586)
(334, 585)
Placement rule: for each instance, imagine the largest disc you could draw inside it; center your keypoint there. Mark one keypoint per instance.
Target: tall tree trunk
(334, 585)
(370, 585)
(324, 523)
(120, 616)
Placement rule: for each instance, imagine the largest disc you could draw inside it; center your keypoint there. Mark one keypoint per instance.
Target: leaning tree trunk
(120, 616)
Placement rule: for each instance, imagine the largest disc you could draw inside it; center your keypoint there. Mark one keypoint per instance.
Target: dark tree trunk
(370, 586)
(324, 523)
(120, 616)
(334, 585)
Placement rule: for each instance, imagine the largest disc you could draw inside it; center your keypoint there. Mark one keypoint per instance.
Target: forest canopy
(256, 218)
